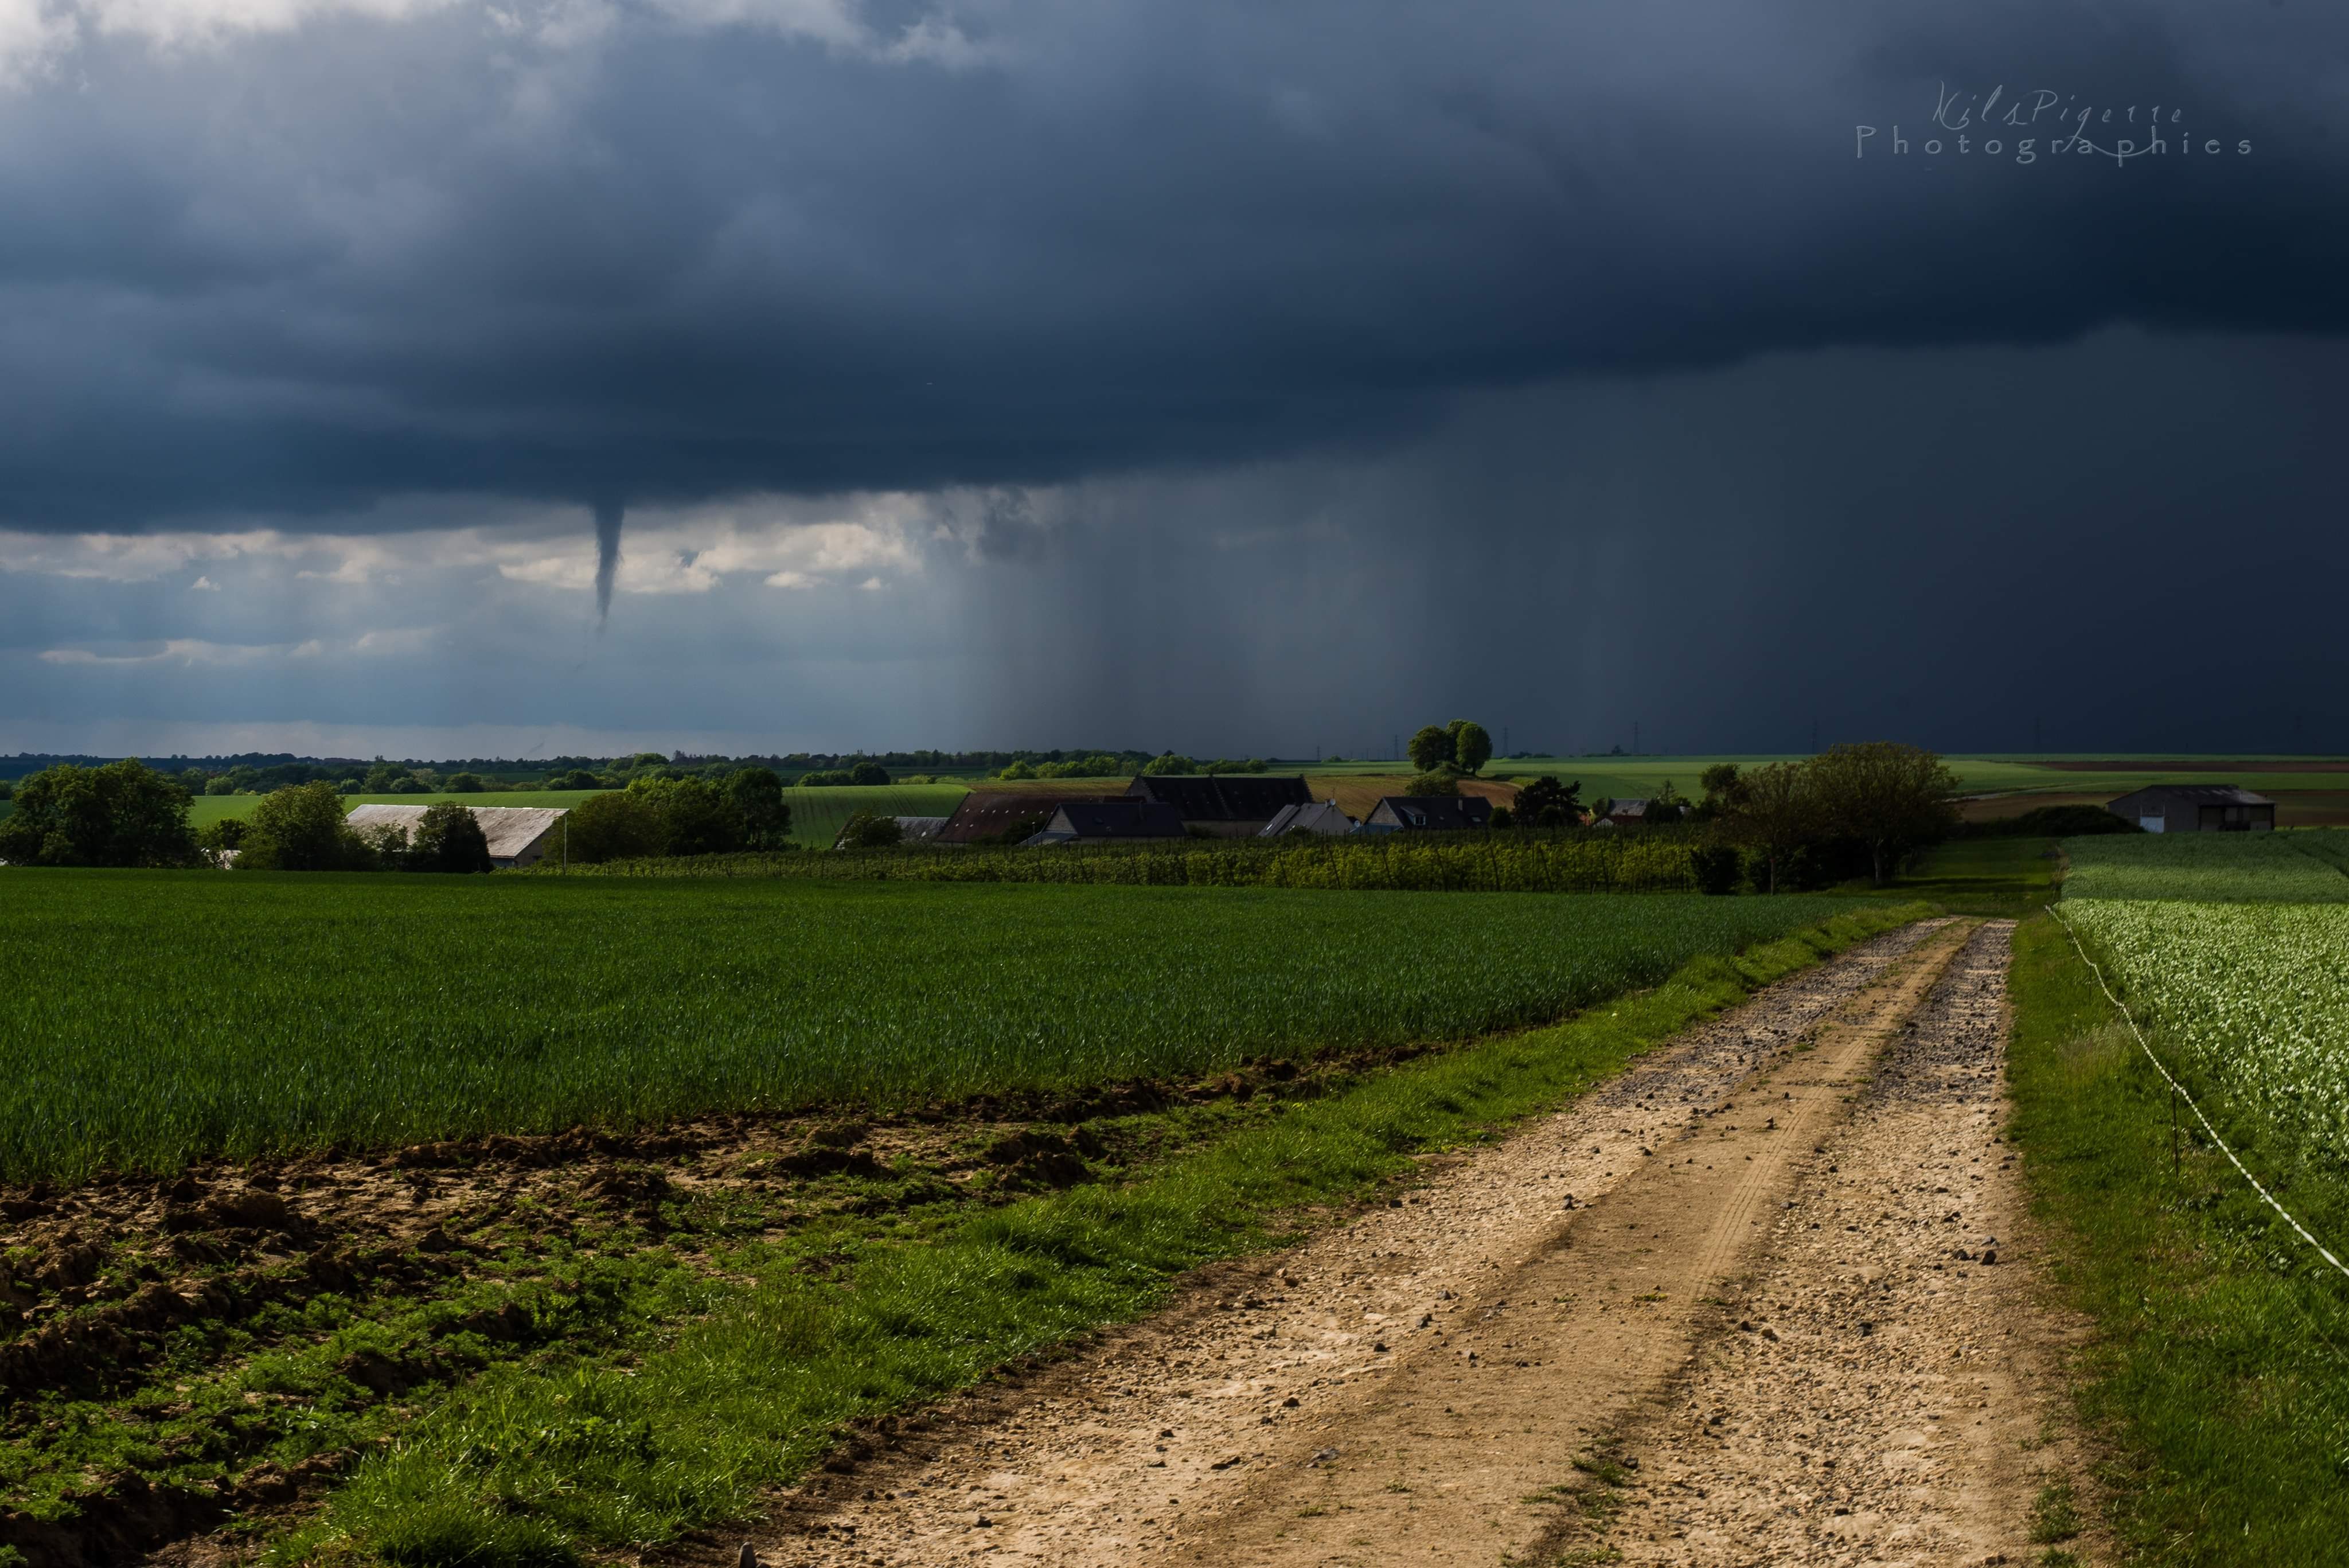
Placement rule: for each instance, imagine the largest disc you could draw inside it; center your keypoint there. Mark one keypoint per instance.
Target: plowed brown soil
(1459, 1379)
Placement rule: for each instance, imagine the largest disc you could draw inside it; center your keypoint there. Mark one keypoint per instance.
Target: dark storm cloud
(2128, 542)
(458, 254)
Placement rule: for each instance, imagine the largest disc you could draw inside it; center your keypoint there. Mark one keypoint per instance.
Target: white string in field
(2179, 1089)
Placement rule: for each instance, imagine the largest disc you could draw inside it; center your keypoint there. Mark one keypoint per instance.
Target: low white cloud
(692, 551)
(36, 35)
(191, 653)
(203, 586)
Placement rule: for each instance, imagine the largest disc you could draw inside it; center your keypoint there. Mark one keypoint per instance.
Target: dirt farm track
(1768, 1298)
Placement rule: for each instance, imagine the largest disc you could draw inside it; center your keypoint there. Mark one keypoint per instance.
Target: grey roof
(2194, 794)
(511, 829)
(1628, 808)
(1314, 817)
(1223, 797)
(1435, 813)
(1116, 819)
(916, 828)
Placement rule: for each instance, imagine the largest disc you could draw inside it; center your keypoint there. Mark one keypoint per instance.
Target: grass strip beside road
(2220, 1372)
(539, 1465)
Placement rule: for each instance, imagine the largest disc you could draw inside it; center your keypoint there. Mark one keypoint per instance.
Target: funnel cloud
(608, 515)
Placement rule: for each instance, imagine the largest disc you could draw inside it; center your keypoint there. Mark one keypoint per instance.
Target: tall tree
(1778, 813)
(1891, 797)
(447, 837)
(301, 828)
(1472, 744)
(758, 795)
(1429, 748)
(1547, 802)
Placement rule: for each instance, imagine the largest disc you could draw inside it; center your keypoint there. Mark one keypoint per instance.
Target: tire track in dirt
(1295, 1408)
(1890, 1393)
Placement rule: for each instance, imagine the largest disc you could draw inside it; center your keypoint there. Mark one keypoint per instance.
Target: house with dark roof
(1429, 813)
(2196, 808)
(1626, 813)
(988, 815)
(1321, 817)
(1229, 806)
(1105, 821)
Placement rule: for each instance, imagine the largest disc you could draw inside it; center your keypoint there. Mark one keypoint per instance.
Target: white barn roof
(512, 830)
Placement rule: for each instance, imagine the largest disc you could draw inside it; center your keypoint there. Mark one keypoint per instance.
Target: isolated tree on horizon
(1429, 748)
(1471, 746)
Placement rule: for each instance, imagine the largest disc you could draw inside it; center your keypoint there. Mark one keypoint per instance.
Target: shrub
(219, 784)
(621, 825)
(694, 816)
(1433, 784)
(1547, 802)
(870, 830)
(1501, 817)
(870, 774)
(449, 838)
(123, 813)
(756, 795)
(2060, 822)
(464, 784)
(1169, 763)
(1715, 869)
(577, 778)
(301, 828)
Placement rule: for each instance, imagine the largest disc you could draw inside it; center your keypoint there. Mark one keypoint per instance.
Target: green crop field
(2253, 998)
(159, 1016)
(2211, 1375)
(816, 814)
(2306, 865)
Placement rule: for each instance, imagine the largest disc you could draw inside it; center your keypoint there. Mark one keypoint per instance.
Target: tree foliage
(301, 828)
(1169, 763)
(447, 837)
(1547, 803)
(1432, 783)
(1891, 797)
(1471, 746)
(620, 825)
(757, 794)
(870, 830)
(1777, 815)
(1429, 748)
(120, 813)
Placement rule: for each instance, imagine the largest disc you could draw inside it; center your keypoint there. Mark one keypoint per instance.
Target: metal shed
(518, 834)
(2196, 808)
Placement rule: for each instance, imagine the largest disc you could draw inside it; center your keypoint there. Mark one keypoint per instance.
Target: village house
(1429, 813)
(1103, 821)
(1321, 817)
(1229, 806)
(989, 815)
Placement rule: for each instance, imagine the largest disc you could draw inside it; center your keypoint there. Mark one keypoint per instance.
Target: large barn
(2196, 808)
(1230, 805)
(518, 834)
